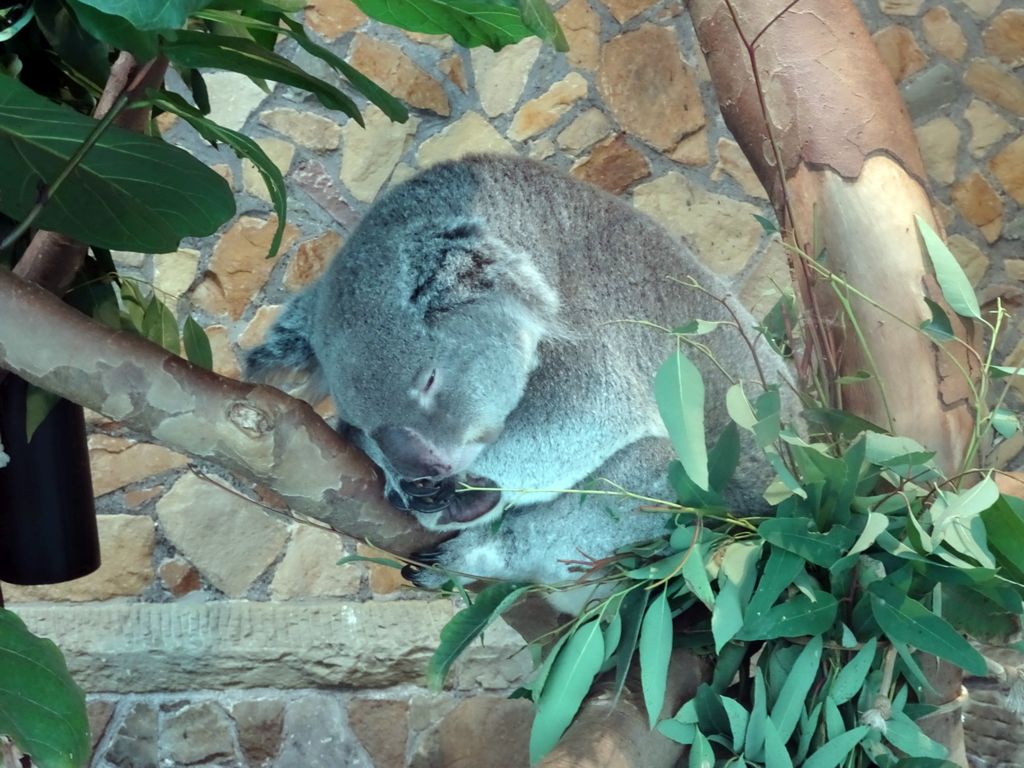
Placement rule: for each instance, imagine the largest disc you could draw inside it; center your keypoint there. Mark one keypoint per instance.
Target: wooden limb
(255, 432)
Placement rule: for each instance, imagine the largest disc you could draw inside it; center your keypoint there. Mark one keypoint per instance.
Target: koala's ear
(286, 359)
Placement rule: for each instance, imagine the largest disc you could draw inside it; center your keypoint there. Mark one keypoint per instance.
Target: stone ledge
(145, 647)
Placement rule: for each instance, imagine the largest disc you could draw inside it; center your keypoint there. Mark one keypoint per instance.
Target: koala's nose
(410, 453)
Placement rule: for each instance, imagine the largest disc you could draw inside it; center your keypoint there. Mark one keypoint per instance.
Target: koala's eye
(429, 383)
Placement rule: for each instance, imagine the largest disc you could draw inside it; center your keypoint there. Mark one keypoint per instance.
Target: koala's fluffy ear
(286, 359)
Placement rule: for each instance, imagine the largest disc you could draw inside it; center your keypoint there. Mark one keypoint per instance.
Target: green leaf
(904, 734)
(655, 653)
(470, 22)
(466, 625)
(679, 392)
(711, 714)
(794, 535)
(780, 570)
(768, 226)
(632, 612)
(160, 326)
(906, 620)
(785, 712)
(736, 580)
(150, 14)
(115, 31)
(724, 457)
(775, 754)
(1004, 525)
(798, 616)
(1001, 371)
(938, 328)
(956, 288)
(197, 345)
(385, 561)
(152, 194)
(851, 677)
(537, 16)
(76, 49)
(876, 523)
(1005, 422)
(38, 404)
(41, 708)
(701, 753)
(681, 733)
(753, 748)
(834, 752)
(243, 147)
(738, 719)
(200, 49)
(975, 613)
(572, 674)
(695, 574)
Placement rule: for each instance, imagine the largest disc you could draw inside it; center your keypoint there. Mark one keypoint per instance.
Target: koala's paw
(459, 559)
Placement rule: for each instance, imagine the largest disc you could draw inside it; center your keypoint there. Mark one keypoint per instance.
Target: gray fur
(509, 282)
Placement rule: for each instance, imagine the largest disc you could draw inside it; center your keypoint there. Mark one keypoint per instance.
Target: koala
(493, 325)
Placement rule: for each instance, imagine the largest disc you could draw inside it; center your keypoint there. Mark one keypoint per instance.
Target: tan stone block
(128, 259)
(500, 76)
(310, 567)
(126, 568)
(332, 18)
(454, 70)
(310, 260)
(306, 129)
(900, 7)
(280, 152)
(239, 266)
(174, 273)
(395, 72)
(587, 128)
(470, 133)
(987, 126)
(1004, 37)
(900, 51)
(233, 97)
(996, 85)
(137, 499)
(230, 539)
(382, 727)
(1014, 269)
(498, 727)
(224, 171)
(613, 166)
(693, 150)
(648, 88)
(943, 34)
(939, 140)
(977, 202)
(371, 153)
(179, 576)
(971, 258)
(539, 114)
(384, 580)
(257, 328)
(1008, 167)
(732, 162)
(402, 172)
(582, 28)
(117, 462)
(441, 42)
(624, 10)
(721, 230)
(541, 149)
(225, 362)
(981, 8)
(764, 285)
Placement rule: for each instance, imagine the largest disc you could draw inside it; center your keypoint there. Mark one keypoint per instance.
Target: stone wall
(216, 634)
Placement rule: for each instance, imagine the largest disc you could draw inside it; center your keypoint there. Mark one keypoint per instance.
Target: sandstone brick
(117, 462)
(228, 538)
(624, 10)
(371, 153)
(900, 51)
(382, 727)
(494, 726)
(384, 580)
(310, 567)
(987, 126)
(174, 273)
(589, 127)
(134, 500)
(233, 97)
(99, 712)
(196, 733)
(541, 113)
(225, 362)
(257, 328)
(500, 76)
(978, 203)
(972, 259)
(943, 34)
(582, 28)
(996, 85)
(332, 18)
(1004, 37)
(939, 140)
(315, 735)
(134, 744)
(179, 576)
(310, 259)
(126, 566)
(900, 7)
(395, 72)
(259, 723)
(454, 70)
(1008, 167)
(693, 149)
(470, 133)
(764, 285)
(732, 162)
(239, 266)
(650, 91)
(613, 165)
(981, 8)
(306, 129)
(722, 231)
(312, 178)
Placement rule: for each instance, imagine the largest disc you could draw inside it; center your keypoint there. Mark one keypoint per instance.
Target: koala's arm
(286, 358)
(540, 543)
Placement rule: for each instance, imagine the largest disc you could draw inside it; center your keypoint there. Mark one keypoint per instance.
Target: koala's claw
(421, 574)
(428, 496)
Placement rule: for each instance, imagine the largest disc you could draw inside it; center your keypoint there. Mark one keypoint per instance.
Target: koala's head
(425, 341)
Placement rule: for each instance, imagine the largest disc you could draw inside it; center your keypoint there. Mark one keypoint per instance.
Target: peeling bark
(827, 133)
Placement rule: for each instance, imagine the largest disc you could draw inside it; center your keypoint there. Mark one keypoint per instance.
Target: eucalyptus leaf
(153, 194)
(655, 654)
(197, 344)
(852, 675)
(775, 753)
(1004, 523)
(938, 328)
(42, 710)
(785, 713)
(150, 14)
(632, 611)
(1005, 422)
(753, 748)
(795, 535)
(679, 393)
(835, 751)
(956, 288)
(904, 734)
(572, 674)
(799, 616)
(470, 22)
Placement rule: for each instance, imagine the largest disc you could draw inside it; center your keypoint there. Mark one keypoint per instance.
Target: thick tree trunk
(824, 127)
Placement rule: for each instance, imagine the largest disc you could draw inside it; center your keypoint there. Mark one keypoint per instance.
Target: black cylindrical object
(47, 514)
